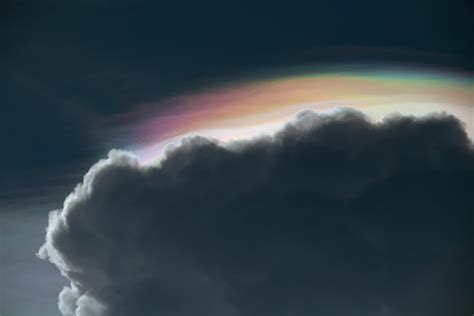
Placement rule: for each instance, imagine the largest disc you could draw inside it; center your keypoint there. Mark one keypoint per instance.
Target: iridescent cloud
(247, 108)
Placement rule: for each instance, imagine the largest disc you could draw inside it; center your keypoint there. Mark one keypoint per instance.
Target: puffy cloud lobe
(333, 215)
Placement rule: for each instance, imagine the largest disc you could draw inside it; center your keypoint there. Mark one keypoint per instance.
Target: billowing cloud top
(333, 215)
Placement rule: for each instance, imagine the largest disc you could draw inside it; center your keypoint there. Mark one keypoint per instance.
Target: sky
(89, 76)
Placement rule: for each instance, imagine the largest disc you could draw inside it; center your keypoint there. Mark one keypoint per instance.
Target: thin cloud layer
(333, 215)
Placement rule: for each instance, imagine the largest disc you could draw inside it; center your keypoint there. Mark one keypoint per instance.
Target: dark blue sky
(69, 64)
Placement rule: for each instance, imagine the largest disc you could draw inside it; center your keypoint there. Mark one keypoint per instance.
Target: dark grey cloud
(333, 215)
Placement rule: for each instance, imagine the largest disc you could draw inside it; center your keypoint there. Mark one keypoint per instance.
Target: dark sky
(71, 65)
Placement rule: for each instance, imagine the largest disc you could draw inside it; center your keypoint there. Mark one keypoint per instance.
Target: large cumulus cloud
(333, 215)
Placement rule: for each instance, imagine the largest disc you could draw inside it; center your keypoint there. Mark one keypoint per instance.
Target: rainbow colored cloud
(247, 108)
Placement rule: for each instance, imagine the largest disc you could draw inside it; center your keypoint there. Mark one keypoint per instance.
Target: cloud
(332, 215)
